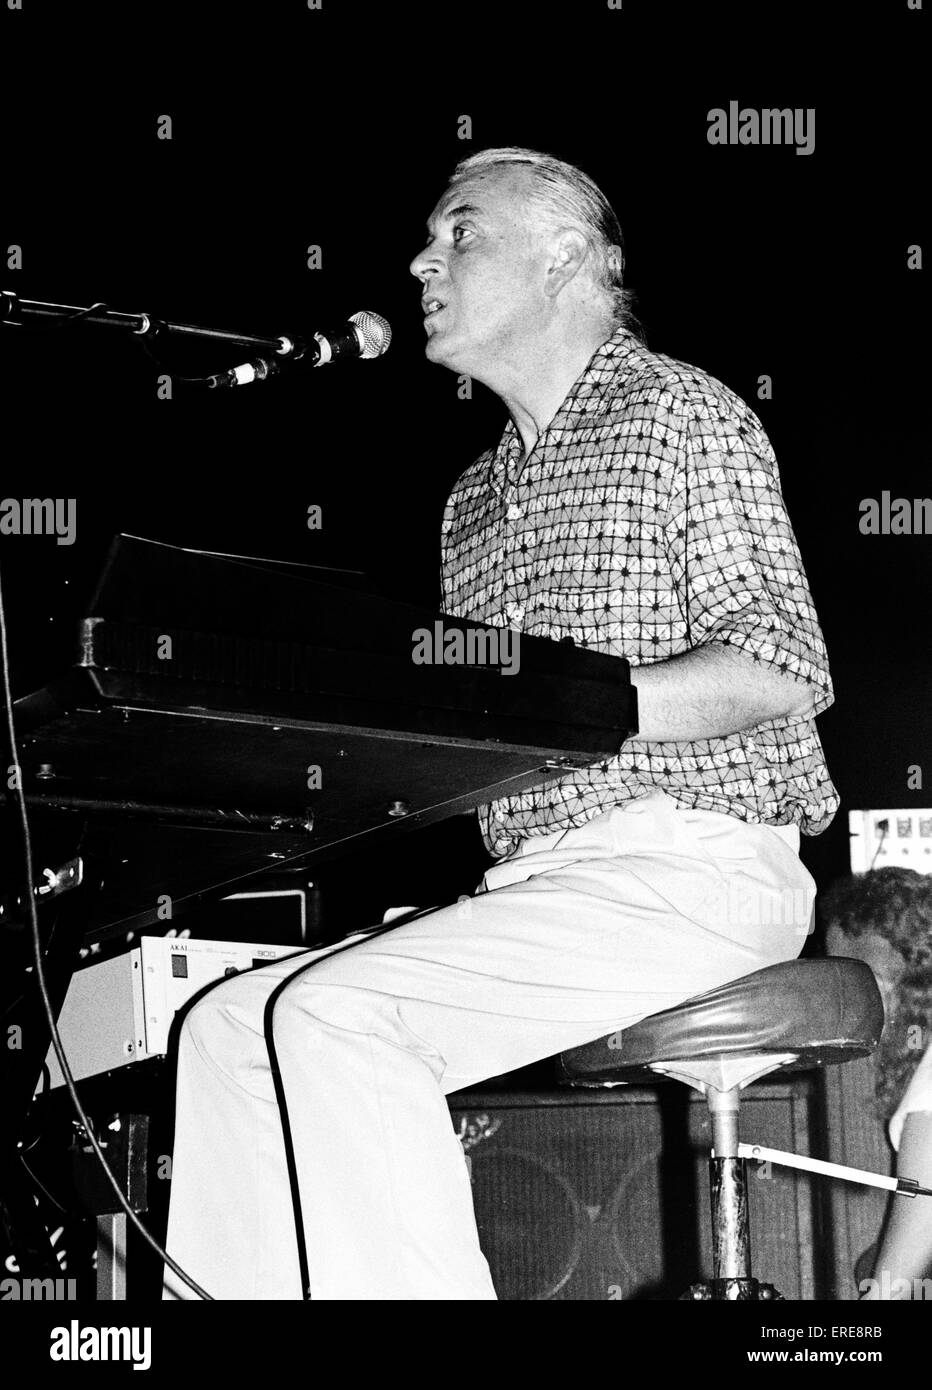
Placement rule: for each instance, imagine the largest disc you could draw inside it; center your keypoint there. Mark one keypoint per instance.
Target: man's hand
(711, 692)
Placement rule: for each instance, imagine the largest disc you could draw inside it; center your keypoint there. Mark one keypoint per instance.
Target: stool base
(733, 1291)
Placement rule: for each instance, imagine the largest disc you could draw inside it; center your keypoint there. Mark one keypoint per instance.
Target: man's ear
(568, 251)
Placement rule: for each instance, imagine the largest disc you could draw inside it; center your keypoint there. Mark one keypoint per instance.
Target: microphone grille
(376, 333)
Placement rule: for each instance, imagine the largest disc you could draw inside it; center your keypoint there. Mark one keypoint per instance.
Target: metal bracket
(57, 881)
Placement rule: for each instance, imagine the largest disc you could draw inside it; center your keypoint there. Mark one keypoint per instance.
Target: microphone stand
(17, 312)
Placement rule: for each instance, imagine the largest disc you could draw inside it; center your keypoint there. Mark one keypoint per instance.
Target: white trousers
(573, 936)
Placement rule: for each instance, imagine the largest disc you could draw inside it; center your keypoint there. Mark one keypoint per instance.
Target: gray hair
(566, 196)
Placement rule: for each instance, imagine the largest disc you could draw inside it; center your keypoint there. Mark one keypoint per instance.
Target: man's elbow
(780, 694)
(796, 698)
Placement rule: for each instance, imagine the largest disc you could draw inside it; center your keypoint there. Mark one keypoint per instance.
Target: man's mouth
(431, 307)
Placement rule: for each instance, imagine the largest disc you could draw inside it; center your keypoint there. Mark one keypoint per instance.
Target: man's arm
(905, 1253)
(755, 648)
(711, 692)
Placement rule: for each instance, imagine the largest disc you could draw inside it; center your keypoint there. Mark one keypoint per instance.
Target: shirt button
(515, 511)
(514, 612)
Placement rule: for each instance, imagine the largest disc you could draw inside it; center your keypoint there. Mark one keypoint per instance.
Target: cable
(42, 1187)
(884, 827)
(40, 976)
(159, 362)
(269, 1031)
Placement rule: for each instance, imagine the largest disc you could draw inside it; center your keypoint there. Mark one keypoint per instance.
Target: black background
(339, 128)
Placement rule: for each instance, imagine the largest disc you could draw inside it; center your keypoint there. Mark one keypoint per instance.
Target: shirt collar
(585, 399)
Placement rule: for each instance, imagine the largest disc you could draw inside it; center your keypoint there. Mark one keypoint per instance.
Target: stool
(797, 1014)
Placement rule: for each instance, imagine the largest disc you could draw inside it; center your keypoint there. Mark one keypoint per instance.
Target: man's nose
(425, 264)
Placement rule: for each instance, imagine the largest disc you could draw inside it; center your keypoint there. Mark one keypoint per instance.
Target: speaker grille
(608, 1198)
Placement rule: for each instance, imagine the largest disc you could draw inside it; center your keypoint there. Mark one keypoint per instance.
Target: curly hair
(896, 905)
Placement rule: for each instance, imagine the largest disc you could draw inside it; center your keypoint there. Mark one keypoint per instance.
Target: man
(633, 503)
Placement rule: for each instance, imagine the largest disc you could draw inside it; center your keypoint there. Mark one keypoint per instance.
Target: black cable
(41, 982)
(42, 1187)
(175, 376)
(278, 1081)
(884, 831)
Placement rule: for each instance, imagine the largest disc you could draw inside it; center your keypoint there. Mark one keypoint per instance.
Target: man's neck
(537, 382)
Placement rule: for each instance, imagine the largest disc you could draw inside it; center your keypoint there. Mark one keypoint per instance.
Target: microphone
(365, 335)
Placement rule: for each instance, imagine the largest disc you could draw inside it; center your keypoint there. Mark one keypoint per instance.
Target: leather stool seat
(820, 1011)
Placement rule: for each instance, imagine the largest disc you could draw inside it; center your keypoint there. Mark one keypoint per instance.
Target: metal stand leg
(124, 1137)
(731, 1239)
(111, 1258)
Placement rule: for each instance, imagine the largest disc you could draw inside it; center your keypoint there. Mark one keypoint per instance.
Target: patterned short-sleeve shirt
(648, 520)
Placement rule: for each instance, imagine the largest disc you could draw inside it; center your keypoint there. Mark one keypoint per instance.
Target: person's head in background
(884, 918)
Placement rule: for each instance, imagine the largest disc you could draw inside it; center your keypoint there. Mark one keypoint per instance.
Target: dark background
(339, 129)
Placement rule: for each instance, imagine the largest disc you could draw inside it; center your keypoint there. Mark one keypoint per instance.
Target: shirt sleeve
(732, 551)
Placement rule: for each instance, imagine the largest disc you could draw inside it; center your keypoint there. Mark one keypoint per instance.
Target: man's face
(485, 263)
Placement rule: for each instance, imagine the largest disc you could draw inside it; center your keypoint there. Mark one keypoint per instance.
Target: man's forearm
(711, 692)
(904, 1259)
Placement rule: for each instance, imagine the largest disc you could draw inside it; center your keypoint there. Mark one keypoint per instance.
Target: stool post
(731, 1241)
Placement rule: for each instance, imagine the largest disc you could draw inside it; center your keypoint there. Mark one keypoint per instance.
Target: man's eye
(458, 230)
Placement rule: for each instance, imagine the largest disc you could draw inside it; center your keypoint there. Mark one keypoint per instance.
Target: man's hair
(896, 905)
(565, 196)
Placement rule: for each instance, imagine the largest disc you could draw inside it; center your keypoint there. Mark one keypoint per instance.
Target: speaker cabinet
(584, 1195)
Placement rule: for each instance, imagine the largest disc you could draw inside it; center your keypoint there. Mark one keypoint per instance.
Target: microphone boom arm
(15, 311)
